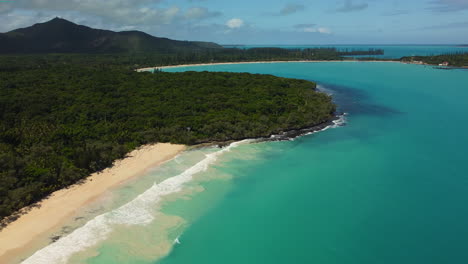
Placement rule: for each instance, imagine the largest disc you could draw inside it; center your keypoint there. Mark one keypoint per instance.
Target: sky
(259, 21)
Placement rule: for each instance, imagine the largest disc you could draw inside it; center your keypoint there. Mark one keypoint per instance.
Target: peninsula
(453, 60)
(65, 117)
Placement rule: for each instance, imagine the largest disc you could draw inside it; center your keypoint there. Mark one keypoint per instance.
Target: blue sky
(261, 21)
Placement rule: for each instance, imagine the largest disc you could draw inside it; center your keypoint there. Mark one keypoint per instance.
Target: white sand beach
(60, 205)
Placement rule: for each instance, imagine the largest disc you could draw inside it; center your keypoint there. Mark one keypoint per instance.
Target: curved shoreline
(37, 220)
(254, 62)
(34, 222)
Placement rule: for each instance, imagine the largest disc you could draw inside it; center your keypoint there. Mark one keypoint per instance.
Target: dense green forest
(66, 115)
(454, 59)
(139, 60)
(60, 122)
(69, 114)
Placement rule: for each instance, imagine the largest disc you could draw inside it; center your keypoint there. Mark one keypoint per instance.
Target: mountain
(62, 36)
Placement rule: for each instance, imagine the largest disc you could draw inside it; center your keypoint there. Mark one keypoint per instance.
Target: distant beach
(54, 210)
(310, 61)
(252, 62)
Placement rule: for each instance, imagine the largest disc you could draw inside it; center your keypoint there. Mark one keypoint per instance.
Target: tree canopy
(454, 59)
(61, 122)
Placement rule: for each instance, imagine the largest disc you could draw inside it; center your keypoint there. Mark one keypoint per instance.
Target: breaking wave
(136, 212)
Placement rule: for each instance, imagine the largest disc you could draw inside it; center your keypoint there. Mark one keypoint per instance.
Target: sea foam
(136, 212)
(339, 122)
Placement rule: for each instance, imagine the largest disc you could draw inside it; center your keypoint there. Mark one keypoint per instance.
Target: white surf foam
(136, 212)
(324, 89)
(341, 121)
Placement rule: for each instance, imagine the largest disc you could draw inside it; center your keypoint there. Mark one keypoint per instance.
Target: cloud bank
(312, 28)
(449, 5)
(235, 23)
(349, 6)
(290, 9)
(119, 13)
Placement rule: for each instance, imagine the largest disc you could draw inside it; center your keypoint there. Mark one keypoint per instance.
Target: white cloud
(235, 23)
(14, 20)
(169, 14)
(5, 7)
(311, 28)
(349, 6)
(324, 30)
(112, 13)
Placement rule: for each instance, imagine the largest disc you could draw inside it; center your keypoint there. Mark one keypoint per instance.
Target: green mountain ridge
(62, 36)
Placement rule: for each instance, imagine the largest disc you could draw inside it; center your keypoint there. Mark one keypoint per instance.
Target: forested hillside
(62, 36)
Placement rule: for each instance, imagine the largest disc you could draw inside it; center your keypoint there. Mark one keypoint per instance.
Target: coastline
(338, 119)
(253, 62)
(35, 221)
(301, 61)
(17, 236)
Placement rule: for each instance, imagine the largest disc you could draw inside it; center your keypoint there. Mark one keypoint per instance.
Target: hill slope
(62, 36)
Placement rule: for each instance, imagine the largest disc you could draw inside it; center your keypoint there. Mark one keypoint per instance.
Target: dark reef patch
(355, 101)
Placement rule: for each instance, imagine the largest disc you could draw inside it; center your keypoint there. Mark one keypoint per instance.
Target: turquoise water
(391, 186)
(391, 51)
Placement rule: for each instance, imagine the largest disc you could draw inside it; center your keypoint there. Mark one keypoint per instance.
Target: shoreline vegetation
(79, 122)
(132, 61)
(28, 214)
(458, 60)
(449, 61)
(16, 233)
(73, 121)
(256, 62)
(62, 122)
(34, 221)
(68, 116)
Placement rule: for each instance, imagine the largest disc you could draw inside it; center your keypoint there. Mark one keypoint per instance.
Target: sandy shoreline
(308, 61)
(17, 236)
(253, 62)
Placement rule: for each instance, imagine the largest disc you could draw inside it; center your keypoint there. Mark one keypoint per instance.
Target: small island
(446, 60)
